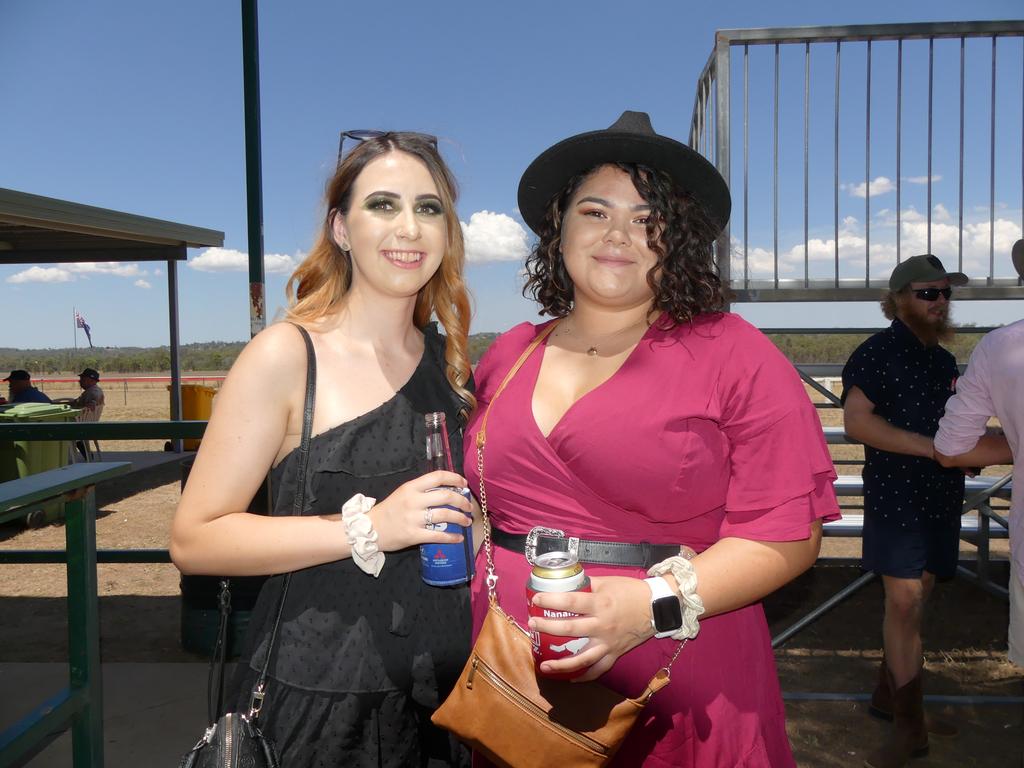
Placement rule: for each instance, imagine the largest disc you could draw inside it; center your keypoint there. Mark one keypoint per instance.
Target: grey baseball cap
(922, 269)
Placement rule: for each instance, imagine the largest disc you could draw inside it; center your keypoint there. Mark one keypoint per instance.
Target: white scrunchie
(686, 577)
(361, 535)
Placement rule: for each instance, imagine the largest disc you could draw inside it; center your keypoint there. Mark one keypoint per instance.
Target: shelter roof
(44, 230)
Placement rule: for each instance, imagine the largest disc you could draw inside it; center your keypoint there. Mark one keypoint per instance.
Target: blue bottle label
(445, 565)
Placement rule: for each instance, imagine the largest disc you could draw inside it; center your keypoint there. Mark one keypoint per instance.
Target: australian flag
(80, 322)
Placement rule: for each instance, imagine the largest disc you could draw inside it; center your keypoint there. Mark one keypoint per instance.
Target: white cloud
(880, 185)
(494, 237)
(230, 260)
(41, 275)
(791, 260)
(71, 272)
(142, 284)
(158, 271)
(278, 263)
(118, 268)
(922, 179)
(220, 260)
(939, 212)
(945, 243)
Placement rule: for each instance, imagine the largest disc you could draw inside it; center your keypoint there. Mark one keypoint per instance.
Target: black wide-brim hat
(630, 139)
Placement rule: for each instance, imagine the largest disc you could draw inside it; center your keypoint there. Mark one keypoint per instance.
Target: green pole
(84, 630)
(253, 170)
(254, 187)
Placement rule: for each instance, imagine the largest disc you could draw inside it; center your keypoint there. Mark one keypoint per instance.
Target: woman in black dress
(366, 650)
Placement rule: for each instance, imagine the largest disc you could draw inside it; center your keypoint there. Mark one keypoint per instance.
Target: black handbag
(234, 739)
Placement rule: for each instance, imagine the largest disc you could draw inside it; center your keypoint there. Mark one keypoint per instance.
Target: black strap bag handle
(234, 739)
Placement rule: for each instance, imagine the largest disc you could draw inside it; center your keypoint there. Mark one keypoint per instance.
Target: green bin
(20, 458)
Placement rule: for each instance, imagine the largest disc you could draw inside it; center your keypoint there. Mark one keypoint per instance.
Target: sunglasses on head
(932, 294)
(364, 135)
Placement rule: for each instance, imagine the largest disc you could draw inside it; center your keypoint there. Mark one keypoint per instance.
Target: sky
(137, 107)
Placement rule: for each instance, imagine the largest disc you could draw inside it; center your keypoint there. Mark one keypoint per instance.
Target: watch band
(665, 604)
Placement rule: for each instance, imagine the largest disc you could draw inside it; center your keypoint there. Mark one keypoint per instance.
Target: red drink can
(555, 572)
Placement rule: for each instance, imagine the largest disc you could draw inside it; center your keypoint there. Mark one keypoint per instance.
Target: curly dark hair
(680, 232)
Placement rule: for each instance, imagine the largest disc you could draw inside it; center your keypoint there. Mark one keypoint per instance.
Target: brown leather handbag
(505, 711)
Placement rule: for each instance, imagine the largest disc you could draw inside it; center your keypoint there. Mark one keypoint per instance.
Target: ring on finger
(428, 517)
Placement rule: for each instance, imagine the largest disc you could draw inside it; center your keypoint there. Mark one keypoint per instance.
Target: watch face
(667, 613)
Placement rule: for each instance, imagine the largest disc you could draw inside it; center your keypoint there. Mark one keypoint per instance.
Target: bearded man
(895, 387)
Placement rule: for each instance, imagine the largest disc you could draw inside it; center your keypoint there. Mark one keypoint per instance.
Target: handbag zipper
(228, 733)
(522, 701)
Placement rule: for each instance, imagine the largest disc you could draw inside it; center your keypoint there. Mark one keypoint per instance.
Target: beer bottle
(444, 565)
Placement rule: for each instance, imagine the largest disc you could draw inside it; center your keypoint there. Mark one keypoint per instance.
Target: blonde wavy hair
(319, 284)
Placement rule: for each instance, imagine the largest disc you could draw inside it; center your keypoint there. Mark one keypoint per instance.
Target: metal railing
(833, 272)
(79, 706)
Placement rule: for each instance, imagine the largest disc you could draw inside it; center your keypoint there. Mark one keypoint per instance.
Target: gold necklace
(592, 350)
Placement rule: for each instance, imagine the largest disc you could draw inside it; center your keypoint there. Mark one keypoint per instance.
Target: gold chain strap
(481, 441)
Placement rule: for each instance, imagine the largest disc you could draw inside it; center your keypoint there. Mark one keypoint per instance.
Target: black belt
(642, 555)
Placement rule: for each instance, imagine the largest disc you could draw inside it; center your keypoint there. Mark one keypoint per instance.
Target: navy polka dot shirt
(909, 384)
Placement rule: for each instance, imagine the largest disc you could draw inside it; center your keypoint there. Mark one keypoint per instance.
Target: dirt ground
(965, 629)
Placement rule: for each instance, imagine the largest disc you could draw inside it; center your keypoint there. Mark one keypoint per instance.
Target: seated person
(92, 396)
(20, 389)
(91, 401)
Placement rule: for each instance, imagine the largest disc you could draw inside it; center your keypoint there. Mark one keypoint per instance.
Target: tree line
(204, 356)
(212, 356)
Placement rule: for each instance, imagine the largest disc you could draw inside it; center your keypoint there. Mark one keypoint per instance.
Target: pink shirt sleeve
(781, 471)
(968, 411)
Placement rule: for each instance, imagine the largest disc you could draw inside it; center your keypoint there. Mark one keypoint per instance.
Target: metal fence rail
(79, 706)
(833, 271)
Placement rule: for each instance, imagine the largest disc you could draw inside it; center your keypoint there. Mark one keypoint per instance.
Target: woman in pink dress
(651, 418)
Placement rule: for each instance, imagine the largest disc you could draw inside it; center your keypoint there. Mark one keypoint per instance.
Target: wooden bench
(80, 705)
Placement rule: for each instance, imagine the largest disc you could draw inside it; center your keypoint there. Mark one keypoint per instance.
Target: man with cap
(91, 401)
(895, 387)
(92, 395)
(20, 389)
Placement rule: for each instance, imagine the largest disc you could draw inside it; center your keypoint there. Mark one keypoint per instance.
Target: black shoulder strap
(215, 695)
(302, 479)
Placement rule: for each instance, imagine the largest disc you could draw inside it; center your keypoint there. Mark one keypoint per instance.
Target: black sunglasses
(364, 135)
(932, 294)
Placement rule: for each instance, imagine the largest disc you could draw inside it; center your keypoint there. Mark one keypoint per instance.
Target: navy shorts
(896, 546)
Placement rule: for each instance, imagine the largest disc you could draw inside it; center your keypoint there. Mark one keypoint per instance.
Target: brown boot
(909, 737)
(881, 697)
(881, 707)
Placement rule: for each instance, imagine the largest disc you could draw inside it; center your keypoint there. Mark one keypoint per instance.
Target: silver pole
(931, 72)
(775, 170)
(960, 193)
(992, 176)
(899, 146)
(746, 165)
(722, 147)
(807, 122)
(835, 162)
(867, 173)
